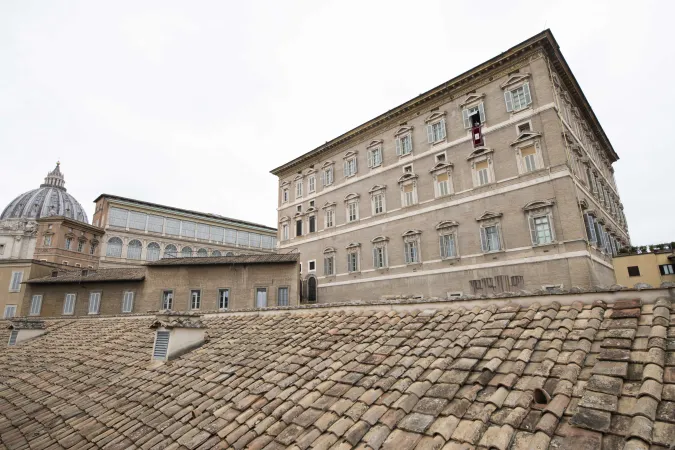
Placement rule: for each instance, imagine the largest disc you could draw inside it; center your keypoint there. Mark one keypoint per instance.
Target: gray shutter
(526, 90)
(533, 231)
(483, 240)
(430, 133)
(370, 158)
(443, 135)
(356, 165)
(346, 168)
(509, 101)
(323, 177)
(12, 337)
(444, 253)
(481, 112)
(465, 117)
(398, 147)
(161, 345)
(375, 257)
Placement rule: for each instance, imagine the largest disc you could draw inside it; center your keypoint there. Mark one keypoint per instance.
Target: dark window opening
(633, 271)
(298, 228)
(312, 224)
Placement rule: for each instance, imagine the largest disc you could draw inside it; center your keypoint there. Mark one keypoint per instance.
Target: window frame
(445, 229)
(470, 108)
(488, 220)
(70, 311)
(288, 295)
(39, 297)
(257, 289)
(378, 192)
(191, 302)
(514, 83)
(442, 168)
(327, 171)
(536, 210)
(354, 252)
(476, 157)
(309, 266)
(13, 308)
(380, 252)
(403, 135)
(352, 201)
(124, 302)
(329, 254)
(628, 268)
(97, 294)
(436, 121)
(299, 188)
(18, 283)
(538, 158)
(350, 165)
(373, 149)
(412, 240)
(667, 269)
(219, 299)
(163, 299)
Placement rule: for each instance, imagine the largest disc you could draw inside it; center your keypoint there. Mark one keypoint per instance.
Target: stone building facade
(138, 232)
(178, 284)
(418, 200)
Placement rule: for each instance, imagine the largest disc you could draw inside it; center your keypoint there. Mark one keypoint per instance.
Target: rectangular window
(15, 283)
(80, 246)
(436, 131)
(468, 112)
(375, 157)
(173, 227)
(242, 238)
(69, 243)
(137, 220)
(167, 299)
(128, 302)
(330, 218)
(518, 98)
(155, 223)
(352, 212)
(380, 257)
(327, 176)
(329, 265)
(412, 255)
(187, 229)
(284, 231)
(195, 299)
(350, 167)
(540, 230)
(404, 145)
(442, 184)
(203, 232)
(352, 262)
(10, 311)
(529, 155)
(282, 296)
(48, 240)
(223, 298)
(490, 241)
(312, 224)
(378, 203)
(312, 265)
(94, 302)
(633, 271)
(590, 228)
(298, 227)
(284, 196)
(298, 189)
(69, 304)
(118, 217)
(311, 182)
(482, 173)
(35, 305)
(261, 297)
(448, 247)
(254, 240)
(666, 269)
(408, 195)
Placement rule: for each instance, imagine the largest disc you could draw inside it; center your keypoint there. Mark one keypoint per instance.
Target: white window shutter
(398, 147)
(430, 133)
(526, 90)
(323, 178)
(481, 112)
(441, 243)
(346, 168)
(465, 117)
(356, 168)
(483, 240)
(533, 230)
(375, 257)
(370, 158)
(509, 101)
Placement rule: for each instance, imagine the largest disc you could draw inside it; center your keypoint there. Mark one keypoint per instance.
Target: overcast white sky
(192, 103)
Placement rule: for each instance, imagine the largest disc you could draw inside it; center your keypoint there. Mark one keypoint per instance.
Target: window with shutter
(195, 299)
(128, 302)
(94, 302)
(69, 304)
(10, 311)
(590, 228)
(442, 184)
(223, 298)
(468, 112)
(282, 296)
(35, 305)
(15, 283)
(13, 336)
(528, 155)
(482, 173)
(167, 299)
(448, 247)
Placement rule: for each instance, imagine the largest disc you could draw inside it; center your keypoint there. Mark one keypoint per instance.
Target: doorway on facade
(311, 289)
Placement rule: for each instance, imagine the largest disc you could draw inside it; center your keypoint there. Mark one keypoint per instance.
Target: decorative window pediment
(285, 183)
(377, 188)
(447, 224)
(538, 204)
(471, 99)
(297, 177)
(480, 151)
(489, 215)
(583, 203)
(311, 209)
(328, 205)
(407, 177)
(379, 239)
(298, 214)
(329, 250)
(353, 245)
(436, 115)
(327, 164)
(441, 166)
(284, 219)
(525, 137)
(349, 154)
(515, 79)
(592, 212)
(412, 232)
(403, 130)
(310, 171)
(352, 196)
(375, 143)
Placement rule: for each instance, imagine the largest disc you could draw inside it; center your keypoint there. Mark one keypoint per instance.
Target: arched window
(134, 249)
(202, 252)
(152, 253)
(186, 252)
(229, 254)
(114, 247)
(170, 251)
(215, 253)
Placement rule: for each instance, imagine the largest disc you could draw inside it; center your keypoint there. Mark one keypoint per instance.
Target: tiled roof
(446, 378)
(240, 259)
(92, 276)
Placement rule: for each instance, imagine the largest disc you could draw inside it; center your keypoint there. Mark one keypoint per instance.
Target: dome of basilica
(50, 199)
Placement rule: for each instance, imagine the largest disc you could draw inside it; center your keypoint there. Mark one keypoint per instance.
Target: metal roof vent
(177, 333)
(24, 329)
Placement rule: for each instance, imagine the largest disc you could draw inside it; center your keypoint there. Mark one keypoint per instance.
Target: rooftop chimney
(24, 329)
(177, 333)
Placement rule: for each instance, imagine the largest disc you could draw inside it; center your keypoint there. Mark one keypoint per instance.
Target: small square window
(633, 271)
(311, 204)
(312, 266)
(523, 127)
(299, 208)
(441, 157)
(408, 168)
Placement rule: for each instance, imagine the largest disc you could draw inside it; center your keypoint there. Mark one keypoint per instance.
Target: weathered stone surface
(591, 419)
(605, 384)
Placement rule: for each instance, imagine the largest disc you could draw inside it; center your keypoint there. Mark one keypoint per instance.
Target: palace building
(498, 180)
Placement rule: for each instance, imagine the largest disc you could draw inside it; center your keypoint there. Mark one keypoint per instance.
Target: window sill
(548, 244)
(442, 141)
(451, 259)
(494, 252)
(403, 156)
